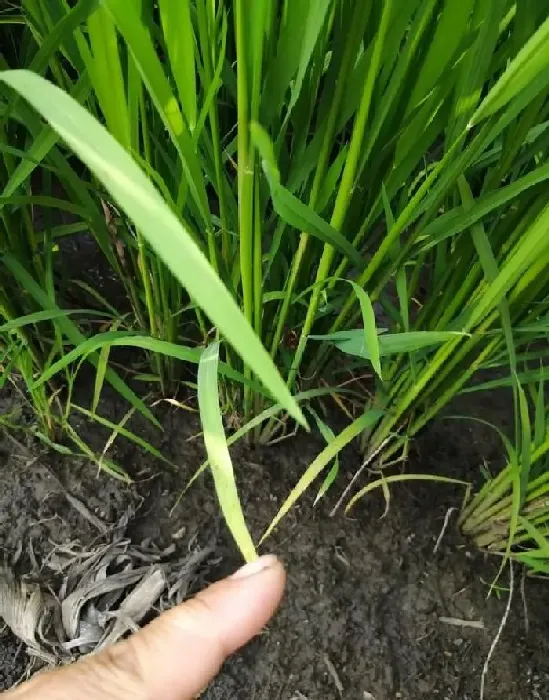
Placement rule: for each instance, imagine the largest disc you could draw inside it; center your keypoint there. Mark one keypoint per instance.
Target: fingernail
(256, 567)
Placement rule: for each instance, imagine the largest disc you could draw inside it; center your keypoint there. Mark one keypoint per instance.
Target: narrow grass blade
(47, 315)
(315, 17)
(380, 483)
(371, 338)
(121, 339)
(352, 342)
(100, 372)
(130, 22)
(540, 424)
(460, 218)
(525, 443)
(42, 145)
(128, 434)
(328, 435)
(218, 452)
(178, 34)
(106, 72)
(527, 65)
(129, 339)
(264, 416)
(291, 209)
(103, 465)
(367, 420)
(328, 482)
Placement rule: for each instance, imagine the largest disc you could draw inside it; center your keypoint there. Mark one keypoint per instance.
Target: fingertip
(245, 602)
(255, 567)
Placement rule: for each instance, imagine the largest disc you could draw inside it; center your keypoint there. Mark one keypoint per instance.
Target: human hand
(178, 654)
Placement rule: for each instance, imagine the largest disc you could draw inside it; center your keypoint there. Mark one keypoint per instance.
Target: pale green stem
(245, 177)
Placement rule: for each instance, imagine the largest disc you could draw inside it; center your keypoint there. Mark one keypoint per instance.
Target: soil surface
(362, 614)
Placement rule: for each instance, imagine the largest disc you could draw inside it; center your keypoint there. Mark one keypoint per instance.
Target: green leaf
(532, 247)
(401, 477)
(102, 364)
(540, 427)
(39, 316)
(371, 338)
(530, 377)
(490, 268)
(331, 476)
(523, 69)
(328, 435)
(291, 209)
(41, 146)
(124, 432)
(105, 68)
(299, 32)
(262, 417)
(366, 420)
(128, 19)
(179, 36)
(460, 218)
(314, 21)
(538, 537)
(129, 339)
(525, 453)
(218, 452)
(142, 203)
(352, 342)
(61, 34)
(103, 464)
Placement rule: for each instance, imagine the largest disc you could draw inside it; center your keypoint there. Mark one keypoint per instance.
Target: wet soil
(361, 618)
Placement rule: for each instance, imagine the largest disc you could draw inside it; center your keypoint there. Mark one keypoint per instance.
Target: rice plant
(277, 154)
(458, 271)
(36, 322)
(317, 175)
(510, 514)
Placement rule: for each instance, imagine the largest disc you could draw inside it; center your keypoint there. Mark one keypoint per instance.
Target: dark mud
(361, 616)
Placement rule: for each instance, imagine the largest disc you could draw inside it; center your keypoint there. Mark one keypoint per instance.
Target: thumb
(175, 656)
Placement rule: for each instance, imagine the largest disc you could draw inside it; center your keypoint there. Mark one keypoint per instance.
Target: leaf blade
(317, 465)
(218, 452)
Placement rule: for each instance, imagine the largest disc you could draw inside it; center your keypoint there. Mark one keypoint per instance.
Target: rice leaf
(328, 435)
(331, 476)
(527, 65)
(292, 210)
(264, 416)
(386, 480)
(366, 420)
(128, 434)
(315, 17)
(130, 339)
(460, 218)
(371, 338)
(352, 341)
(39, 316)
(105, 68)
(179, 36)
(100, 376)
(540, 426)
(130, 22)
(525, 453)
(218, 452)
